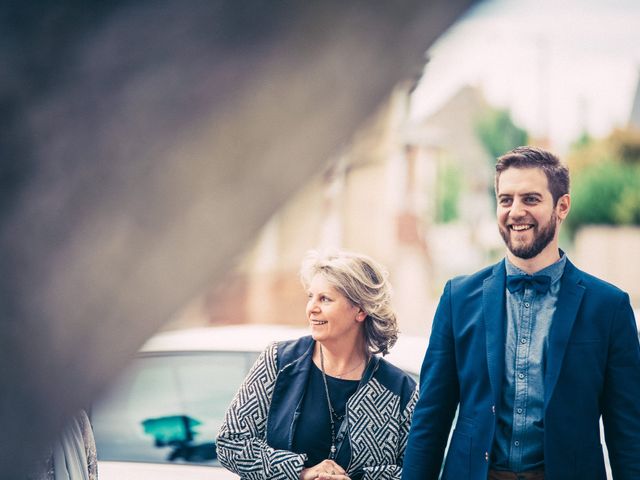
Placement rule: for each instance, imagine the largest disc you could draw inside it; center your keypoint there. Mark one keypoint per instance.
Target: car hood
(159, 471)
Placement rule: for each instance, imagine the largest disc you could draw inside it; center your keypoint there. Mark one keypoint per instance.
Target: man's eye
(505, 201)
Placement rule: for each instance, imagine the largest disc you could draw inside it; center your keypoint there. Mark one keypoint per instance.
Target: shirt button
(523, 340)
(526, 304)
(521, 375)
(516, 443)
(519, 410)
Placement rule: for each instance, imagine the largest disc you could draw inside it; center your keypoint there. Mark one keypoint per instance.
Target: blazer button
(486, 456)
(493, 409)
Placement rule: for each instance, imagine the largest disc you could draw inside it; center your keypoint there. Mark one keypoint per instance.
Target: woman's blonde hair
(363, 282)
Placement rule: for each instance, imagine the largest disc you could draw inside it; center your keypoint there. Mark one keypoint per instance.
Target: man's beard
(540, 240)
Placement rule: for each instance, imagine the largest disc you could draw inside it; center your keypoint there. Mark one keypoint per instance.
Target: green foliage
(626, 144)
(499, 134)
(605, 193)
(583, 141)
(449, 187)
(627, 210)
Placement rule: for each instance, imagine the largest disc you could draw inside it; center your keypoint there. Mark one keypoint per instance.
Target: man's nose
(518, 209)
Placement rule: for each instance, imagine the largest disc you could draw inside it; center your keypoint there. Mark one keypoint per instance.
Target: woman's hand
(325, 470)
(328, 476)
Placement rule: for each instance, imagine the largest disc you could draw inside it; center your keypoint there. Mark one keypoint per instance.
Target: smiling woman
(364, 285)
(322, 406)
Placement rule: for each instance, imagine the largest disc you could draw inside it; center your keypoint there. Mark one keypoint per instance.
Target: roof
(406, 354)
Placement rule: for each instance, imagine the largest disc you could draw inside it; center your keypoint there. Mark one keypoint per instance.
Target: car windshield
(167, 408)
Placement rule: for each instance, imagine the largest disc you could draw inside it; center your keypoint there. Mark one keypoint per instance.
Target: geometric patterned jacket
(256, 435)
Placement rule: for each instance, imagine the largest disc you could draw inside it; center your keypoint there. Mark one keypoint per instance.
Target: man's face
(527, 216)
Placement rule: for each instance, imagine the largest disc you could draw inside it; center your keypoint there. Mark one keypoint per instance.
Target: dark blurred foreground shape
(142, 145)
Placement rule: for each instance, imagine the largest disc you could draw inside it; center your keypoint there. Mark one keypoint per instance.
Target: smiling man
(532, 351)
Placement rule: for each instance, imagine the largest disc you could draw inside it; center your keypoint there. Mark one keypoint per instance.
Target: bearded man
(532, 352)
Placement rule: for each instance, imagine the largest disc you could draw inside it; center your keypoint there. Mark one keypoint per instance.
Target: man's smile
(520, 228)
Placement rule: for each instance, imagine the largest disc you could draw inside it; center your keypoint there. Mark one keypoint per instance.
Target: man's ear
(563, 205)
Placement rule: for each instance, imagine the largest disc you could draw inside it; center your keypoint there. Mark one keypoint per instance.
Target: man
(532, 351)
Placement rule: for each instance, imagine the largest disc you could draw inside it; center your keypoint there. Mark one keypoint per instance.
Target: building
(415, 195)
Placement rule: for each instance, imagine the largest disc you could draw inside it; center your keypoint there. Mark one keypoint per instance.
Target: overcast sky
(560, 66)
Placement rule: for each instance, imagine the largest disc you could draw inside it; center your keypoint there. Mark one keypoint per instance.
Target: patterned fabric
(46, 471)
(378, 429)
(241, 444)
(89, 445)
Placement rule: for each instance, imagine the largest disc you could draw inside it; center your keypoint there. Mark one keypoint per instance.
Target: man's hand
(325, 470)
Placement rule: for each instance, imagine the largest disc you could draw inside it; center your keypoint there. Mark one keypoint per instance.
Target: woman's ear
(361, 315)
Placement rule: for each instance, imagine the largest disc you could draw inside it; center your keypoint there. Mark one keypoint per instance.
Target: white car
(161, 418)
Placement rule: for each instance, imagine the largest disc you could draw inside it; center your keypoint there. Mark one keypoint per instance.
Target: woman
(325, 406)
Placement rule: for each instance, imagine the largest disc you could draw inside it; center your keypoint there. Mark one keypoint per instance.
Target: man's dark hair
(533, 157)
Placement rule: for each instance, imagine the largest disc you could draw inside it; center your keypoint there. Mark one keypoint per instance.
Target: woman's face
(331, 315)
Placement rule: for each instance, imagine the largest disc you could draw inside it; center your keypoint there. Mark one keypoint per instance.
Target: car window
(167, 408)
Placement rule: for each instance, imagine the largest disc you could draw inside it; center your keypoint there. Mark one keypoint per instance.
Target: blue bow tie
(517, 283)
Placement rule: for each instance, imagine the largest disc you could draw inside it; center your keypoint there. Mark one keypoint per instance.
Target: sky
(561, 67)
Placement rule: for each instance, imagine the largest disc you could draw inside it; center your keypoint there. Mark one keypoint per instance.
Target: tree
(606, 194)
(448, 193)
(498, 133)
(606, 181)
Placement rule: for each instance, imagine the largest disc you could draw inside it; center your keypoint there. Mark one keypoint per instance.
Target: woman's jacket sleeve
(241, 444)
(394, 471)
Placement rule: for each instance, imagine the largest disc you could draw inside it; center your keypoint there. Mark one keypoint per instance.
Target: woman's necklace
(349, 371)
(332, 413)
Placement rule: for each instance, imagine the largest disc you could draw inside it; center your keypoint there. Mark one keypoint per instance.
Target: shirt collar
(555, 270)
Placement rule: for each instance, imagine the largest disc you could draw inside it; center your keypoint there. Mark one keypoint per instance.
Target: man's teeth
(520, 228)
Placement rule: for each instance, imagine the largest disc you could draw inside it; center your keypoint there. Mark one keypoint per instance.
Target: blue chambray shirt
(519, 439)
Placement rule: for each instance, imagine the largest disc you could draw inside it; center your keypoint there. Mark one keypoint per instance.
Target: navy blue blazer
(593, 369)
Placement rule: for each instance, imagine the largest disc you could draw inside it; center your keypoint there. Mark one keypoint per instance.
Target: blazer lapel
(569, 299)
(493, 310)
(286, 398)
